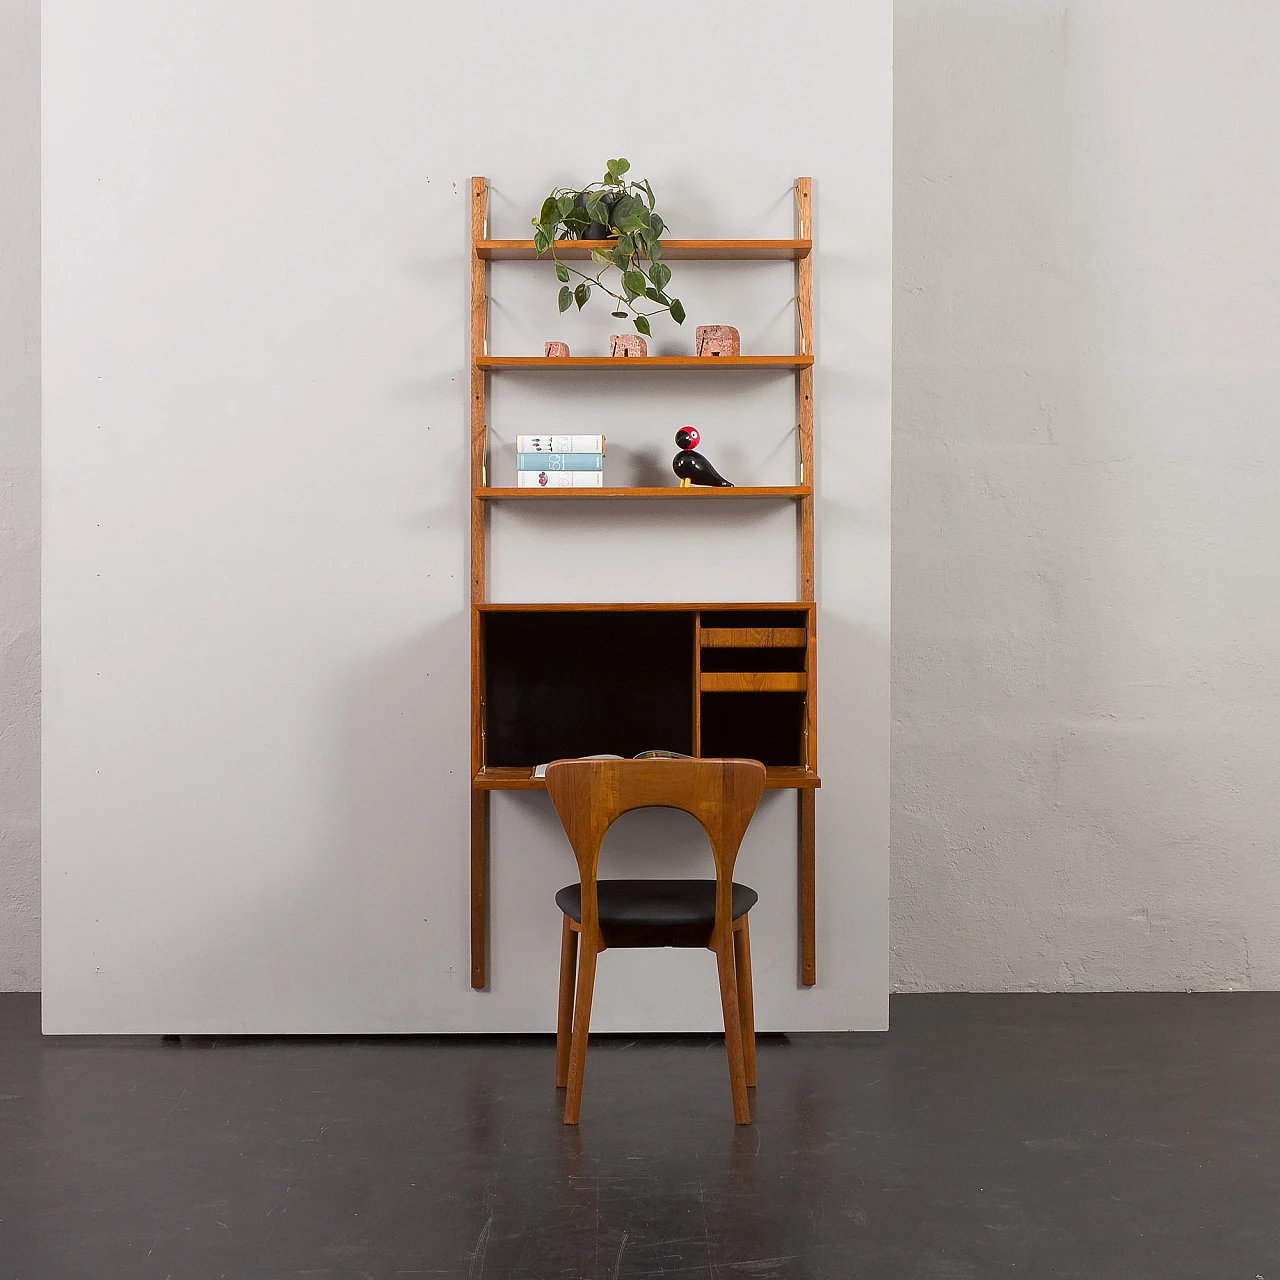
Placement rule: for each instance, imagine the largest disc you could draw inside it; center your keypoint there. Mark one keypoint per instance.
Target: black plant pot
(596, 230)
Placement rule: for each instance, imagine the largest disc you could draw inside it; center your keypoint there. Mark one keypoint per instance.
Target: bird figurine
(692, 467)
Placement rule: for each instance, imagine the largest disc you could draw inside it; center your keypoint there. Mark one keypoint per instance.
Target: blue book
(559, 462)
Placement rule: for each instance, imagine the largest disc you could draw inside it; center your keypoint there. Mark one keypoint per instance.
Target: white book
(559, 479)
(559, 444)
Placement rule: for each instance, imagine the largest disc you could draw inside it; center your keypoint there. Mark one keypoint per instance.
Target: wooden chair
(589, 796)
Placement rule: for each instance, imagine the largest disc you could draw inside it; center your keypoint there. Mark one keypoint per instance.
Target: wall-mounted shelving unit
(711, 679)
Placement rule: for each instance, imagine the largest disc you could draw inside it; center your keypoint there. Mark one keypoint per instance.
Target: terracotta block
(557, 350)
(627, 344)
(717, 340)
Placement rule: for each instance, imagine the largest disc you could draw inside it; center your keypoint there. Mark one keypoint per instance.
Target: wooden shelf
(643, 673)
(694, 493)
(777, 778)
(753, 682)
(634, 364)
(672, 250)
(649, 606)
(753, 637)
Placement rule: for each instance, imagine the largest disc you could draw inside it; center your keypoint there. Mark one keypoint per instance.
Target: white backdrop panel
(255, 415)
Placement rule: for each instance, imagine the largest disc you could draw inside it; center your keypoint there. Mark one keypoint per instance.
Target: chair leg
(732, 1030)
(564, 1018)
(746, 1001)
(588, 949)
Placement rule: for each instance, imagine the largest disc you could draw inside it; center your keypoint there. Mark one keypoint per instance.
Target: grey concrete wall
(19, 495)
(1086, 609)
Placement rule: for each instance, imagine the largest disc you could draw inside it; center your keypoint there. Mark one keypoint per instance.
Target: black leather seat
(655, 902)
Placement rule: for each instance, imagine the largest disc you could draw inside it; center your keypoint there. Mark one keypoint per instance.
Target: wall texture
(255, 407)
(1084, 545)
(1086, 665)
(19, 495)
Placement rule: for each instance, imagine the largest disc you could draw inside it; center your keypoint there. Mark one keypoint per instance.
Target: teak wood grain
(650, 606)
(778, 777)
(693, 493)
(672, 250)
(696, 621)
(589, 796)
(567, 364)
(754, 681)
(807, 873)
(805, 516)
(478, 565)
(753, 637)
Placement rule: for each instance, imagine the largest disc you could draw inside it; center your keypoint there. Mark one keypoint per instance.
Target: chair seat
(655, 902)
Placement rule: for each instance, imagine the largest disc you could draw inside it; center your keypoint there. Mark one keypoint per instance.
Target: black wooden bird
(692, 467)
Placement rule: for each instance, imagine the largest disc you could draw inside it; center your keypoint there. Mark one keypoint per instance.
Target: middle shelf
(694, 493)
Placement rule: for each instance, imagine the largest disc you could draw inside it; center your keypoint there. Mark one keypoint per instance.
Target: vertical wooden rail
(479, 437)
(697, 683)
(804, 397)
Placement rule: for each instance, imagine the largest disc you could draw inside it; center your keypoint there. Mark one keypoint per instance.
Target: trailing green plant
(614, 206)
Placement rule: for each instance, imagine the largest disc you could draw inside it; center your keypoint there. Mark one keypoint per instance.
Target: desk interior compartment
(566, 683)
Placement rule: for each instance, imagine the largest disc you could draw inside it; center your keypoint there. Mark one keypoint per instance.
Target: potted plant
(622, 211)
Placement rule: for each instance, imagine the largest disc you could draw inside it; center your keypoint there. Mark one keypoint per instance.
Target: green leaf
(566, 297)
(677, 311)
(619, 166)
(600, 258)
(620, 257)
(597, 212)
(648, 190)
(626, 207)
(581, 294)
(659, 274)
(655, 250)
(564, 204)
(540, 242)
(632, 284)
(642, 323)
(562, 273)
(550, 210)
(656, 224)
(655, 296)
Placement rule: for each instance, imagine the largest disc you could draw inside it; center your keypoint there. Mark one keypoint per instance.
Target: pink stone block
(718, 340)
(624, 345)
(556, 350)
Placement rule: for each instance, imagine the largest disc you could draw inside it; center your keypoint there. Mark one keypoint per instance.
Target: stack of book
(560, 462)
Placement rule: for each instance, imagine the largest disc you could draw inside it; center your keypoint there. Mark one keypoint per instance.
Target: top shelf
(672, 250)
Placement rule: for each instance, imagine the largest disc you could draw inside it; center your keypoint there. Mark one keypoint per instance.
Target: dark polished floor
(1102, 1136)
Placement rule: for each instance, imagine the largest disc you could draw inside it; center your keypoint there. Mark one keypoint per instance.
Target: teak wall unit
(733, 679)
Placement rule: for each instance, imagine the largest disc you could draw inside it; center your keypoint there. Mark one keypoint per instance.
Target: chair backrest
(591, 795)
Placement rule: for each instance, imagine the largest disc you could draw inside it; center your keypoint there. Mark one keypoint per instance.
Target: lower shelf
(777, 778)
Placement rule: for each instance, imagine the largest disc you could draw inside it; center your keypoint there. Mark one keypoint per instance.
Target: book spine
(559, 461)
(560, 444)
(559, 480)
